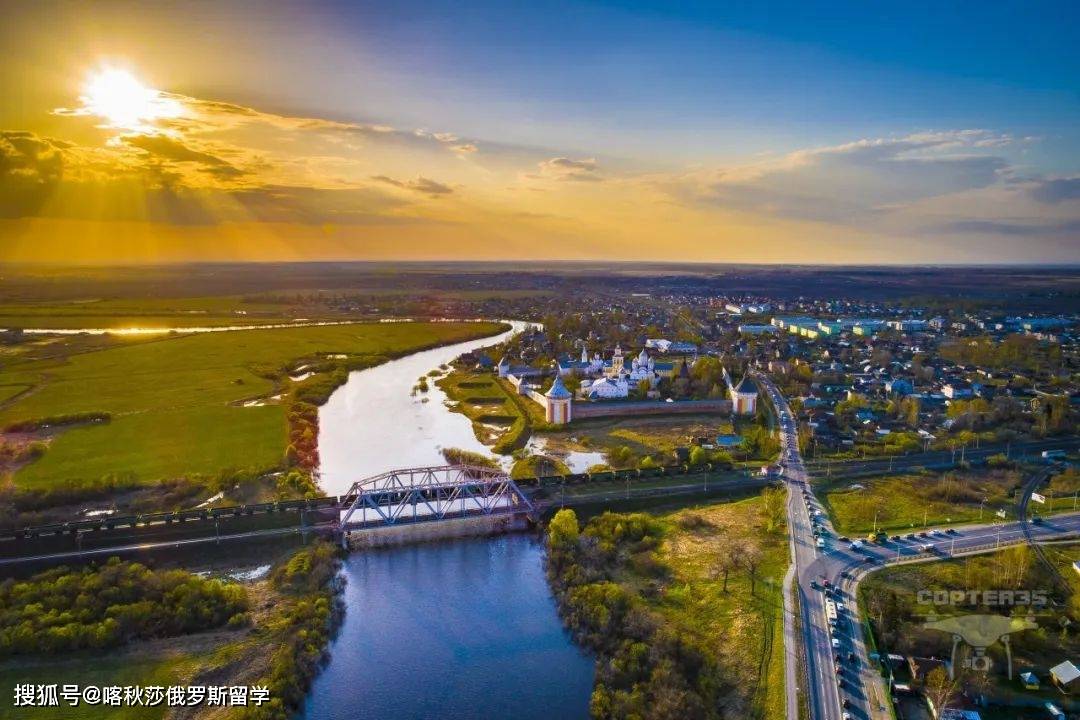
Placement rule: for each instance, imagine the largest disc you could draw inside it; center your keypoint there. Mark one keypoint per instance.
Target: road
(838, 678)
(819, 680)
(937, 458)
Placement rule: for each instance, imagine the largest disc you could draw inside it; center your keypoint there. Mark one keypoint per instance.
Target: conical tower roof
(558, 391)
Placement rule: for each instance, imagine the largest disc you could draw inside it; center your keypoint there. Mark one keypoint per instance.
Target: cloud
(1025, 229)
(853, 183)
(566, 169)
(167, 148)
(31, 167)
(419, 184)
(1057, 191)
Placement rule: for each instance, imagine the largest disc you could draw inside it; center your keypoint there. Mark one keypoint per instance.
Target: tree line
(646, 668)
(97, 607)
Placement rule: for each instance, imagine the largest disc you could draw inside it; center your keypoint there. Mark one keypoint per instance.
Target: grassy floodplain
(499, 416)
(177, 402)
(143, 312)
(671, 578)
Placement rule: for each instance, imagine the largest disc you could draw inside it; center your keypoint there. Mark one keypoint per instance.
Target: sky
(771, 132)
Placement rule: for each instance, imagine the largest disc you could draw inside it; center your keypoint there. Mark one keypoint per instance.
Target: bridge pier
(406, 533)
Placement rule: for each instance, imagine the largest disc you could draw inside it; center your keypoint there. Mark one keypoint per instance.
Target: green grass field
(903, 502)
(498, 417)
(142, 312)
(746, 629)
(173, 401)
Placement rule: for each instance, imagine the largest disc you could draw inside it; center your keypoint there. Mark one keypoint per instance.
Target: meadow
(708, 576)
(176, 403)
(500, 418)
(905, 502)
(143, 312)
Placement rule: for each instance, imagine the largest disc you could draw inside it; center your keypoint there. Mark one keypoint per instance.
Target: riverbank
(178, 407)
(683, 609)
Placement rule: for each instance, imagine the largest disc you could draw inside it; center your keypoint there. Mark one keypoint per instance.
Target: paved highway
(937, 458)
(839, 681)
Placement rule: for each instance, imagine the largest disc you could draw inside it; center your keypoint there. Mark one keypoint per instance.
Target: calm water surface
(458, 630)
(373, 423)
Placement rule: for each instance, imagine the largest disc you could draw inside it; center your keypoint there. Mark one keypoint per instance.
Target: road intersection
(838, 678)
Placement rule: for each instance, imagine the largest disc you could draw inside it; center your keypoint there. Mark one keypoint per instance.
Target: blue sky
(750, 75)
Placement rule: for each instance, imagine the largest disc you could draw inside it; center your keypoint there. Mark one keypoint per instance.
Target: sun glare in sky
(124, 102)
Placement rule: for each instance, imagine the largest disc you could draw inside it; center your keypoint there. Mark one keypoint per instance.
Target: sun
(125, 103)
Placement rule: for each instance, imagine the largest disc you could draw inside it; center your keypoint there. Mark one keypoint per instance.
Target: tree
(698, 456)
(563, 531)
(750, 557)
(772, 508)
(727, 558)
(908, 411)
(939, 689)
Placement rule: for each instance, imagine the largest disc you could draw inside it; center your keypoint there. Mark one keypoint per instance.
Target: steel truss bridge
(431, 494)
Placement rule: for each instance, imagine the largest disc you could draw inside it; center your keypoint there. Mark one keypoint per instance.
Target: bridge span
(431, 494)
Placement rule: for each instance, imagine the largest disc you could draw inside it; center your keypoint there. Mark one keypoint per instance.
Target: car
(845, 538)
(845, 574)
(1037, 520)
(851, 657)
(924, 534)
(813, 584)
(846, 703)
(846, 716)
(896, 538)
(909, 536)
(952, 531)
(839, 669)
(868, 559)
(828, 584)
(835, 644)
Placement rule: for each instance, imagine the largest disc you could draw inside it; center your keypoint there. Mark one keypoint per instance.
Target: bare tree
(727, 558)
(750, 556)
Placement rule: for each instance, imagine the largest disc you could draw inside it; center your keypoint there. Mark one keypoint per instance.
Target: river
(458, 629)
